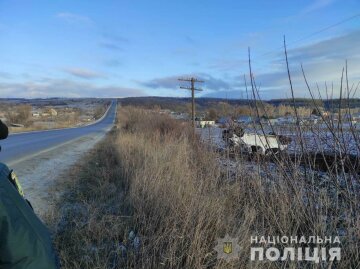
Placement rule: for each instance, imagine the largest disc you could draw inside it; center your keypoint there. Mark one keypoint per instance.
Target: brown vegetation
(20, 114)
(153, 177)
(99, 111)
(268, 110)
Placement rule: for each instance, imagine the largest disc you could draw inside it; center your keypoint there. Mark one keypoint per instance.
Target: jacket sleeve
(24, 240)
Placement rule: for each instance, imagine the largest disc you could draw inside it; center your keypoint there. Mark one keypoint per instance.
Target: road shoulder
(38, 173)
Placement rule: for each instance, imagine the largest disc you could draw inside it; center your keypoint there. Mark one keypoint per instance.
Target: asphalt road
(18, 146)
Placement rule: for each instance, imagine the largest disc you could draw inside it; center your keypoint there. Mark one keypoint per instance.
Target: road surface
(17, 147)
(41, 159)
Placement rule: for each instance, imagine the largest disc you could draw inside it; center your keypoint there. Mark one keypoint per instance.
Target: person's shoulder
(4, 170)
(4, 180)
(5, 173)
(8, 175)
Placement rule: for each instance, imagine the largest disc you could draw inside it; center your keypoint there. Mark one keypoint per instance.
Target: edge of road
(74, 127)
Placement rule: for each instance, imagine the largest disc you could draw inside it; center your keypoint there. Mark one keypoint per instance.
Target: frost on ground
(37, 173)
(319, 139)
(267, 170)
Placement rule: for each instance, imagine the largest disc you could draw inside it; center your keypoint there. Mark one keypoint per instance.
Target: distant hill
(55, 101)
(178, 104)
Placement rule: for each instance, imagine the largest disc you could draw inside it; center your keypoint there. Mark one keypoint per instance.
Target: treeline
(203, 104)
(176, 104)
(214, 108)
(264, 110)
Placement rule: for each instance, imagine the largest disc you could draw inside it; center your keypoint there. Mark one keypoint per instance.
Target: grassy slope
(152, 177)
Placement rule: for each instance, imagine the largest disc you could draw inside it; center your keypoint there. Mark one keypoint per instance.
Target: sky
(122, 48)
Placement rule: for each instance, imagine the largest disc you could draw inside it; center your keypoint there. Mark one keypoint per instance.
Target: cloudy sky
(136, 48)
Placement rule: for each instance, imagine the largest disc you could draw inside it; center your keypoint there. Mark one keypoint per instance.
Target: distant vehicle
(255, 143)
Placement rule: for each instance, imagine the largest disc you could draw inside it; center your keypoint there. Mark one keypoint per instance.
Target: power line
(314, 33)
(327, 28)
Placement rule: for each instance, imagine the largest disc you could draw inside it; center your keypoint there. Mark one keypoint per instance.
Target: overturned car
(262, 144)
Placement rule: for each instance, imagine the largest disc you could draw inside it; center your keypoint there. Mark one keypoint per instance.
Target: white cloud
(83, 73)
(112, 41)
(63, 88)
(322, 61)
(339, 47)
(172, 82)
(316, 5)
(74, 18)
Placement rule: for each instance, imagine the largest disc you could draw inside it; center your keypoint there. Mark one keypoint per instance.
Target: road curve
(18, 146)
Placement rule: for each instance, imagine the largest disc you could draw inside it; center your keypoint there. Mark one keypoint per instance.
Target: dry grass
(39, 127)
(153, 177)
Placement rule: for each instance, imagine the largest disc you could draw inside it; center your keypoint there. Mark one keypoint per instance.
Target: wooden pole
(193, 102)
(192, 88)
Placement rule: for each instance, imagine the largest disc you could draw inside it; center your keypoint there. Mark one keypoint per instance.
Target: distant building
(244, 119)
(36, 114)
(205, 123)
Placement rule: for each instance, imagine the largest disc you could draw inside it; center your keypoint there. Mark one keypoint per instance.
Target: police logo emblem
(227, 247)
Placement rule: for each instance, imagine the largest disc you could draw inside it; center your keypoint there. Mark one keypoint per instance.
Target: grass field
(152, 196)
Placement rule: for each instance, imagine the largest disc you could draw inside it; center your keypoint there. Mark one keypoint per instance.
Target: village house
(205, 123)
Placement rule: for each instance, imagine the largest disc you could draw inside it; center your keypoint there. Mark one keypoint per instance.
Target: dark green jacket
(24, 240)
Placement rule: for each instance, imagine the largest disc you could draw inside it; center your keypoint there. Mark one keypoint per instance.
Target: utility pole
(192, 89)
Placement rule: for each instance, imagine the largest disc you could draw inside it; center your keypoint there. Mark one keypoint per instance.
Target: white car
(256, 143)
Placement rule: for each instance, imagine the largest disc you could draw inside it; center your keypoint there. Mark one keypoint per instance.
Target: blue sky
(136, 48)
